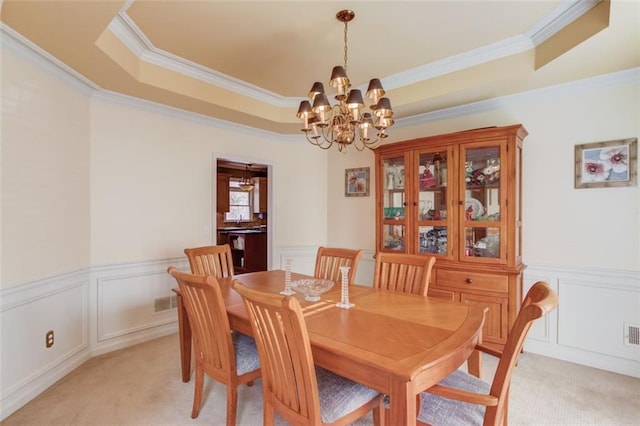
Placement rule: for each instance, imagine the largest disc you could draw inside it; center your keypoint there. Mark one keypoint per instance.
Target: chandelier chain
(346, 46)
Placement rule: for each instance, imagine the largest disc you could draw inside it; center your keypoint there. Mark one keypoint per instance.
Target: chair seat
(436, 410)
(340, 396)
(246, 353)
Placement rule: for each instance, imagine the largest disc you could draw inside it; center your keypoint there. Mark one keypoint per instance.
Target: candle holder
(288, 291)
(344, 302)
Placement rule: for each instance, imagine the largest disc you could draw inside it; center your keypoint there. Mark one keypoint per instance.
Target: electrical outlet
(48, 339)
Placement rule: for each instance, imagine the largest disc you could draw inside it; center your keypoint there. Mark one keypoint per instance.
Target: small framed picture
(606, 164)
(356, 182)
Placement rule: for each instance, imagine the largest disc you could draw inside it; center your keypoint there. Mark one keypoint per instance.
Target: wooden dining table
(396, 343)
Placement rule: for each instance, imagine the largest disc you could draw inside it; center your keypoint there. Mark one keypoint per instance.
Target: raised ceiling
(252, 62)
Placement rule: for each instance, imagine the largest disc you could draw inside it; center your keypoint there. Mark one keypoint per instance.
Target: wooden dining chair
(230, 358)
(406, 273)
(211, 260)
(301, 393)
(329, 260)
(463, 398)
(206, 260)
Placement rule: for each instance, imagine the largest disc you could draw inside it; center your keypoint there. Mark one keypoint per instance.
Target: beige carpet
(141, 386)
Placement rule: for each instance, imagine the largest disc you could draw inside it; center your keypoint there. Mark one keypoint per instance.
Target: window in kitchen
(240, 206)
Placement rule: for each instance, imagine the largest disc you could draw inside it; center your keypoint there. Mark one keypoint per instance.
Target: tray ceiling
(252, 62)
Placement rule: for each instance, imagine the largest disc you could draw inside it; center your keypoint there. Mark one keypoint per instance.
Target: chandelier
(246, 184)
(344, 123)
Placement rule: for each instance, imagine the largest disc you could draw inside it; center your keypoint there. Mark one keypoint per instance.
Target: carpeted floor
(141, 385)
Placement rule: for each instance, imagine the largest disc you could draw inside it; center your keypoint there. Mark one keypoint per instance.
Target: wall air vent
(165, 303)
(632, 335)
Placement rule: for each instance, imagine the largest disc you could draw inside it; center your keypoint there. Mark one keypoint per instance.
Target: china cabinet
(458, 197)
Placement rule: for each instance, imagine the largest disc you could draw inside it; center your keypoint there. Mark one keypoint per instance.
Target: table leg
(474, 364)
(184, 330)
(402, 409)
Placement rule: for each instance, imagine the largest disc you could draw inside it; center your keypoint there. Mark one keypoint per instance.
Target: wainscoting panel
(595, 309)
(27, 312)
(133, 303)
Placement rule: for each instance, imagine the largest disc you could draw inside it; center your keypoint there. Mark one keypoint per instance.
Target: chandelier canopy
(344, 123)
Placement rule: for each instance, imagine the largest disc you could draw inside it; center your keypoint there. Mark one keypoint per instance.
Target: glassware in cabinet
(394, 204)
(482, 202)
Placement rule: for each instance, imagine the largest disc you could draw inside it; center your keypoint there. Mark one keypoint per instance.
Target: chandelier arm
(317, 142)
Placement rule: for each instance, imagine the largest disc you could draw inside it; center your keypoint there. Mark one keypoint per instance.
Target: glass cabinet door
(482, 203)
(394, 202)
(433, 200)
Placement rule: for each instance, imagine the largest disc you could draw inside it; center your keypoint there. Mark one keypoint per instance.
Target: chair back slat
(288, 372)
(329, 260)
(211, 260)
(406, 273)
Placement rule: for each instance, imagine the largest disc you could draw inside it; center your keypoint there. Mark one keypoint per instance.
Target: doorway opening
(242, 213)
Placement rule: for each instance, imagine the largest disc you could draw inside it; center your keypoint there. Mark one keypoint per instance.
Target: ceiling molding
(126, 30)
(481, 55)
(34, 54)
(31, 52)
(578, 86)
(565, 14)
(123, 27)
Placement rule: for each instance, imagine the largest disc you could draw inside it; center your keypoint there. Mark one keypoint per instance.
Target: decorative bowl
(312, 288)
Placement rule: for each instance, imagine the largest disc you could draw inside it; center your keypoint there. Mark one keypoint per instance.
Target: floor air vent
(632, 335)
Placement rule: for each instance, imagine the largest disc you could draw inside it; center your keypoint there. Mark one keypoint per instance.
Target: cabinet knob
(469, 281)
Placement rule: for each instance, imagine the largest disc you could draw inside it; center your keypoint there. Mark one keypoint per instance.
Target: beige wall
(45, 173)
(351, 220)
(562, 225)
(151, 183)
(148, 176)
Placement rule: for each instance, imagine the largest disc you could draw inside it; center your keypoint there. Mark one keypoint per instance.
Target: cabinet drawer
(472, 280)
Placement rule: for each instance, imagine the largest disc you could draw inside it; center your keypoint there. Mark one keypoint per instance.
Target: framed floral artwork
(606, 164)
(356, 182)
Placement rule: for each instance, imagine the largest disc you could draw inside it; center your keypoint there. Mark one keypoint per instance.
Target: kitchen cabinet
(260, 195)
(458, 197)
(222, 192)
(249, 251)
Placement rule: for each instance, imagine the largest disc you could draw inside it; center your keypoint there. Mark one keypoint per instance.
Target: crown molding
(578, 86)
(563, 15)
(34, 54)
(123, 27)
(126, 30)
(206, 120)
(481, 55)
